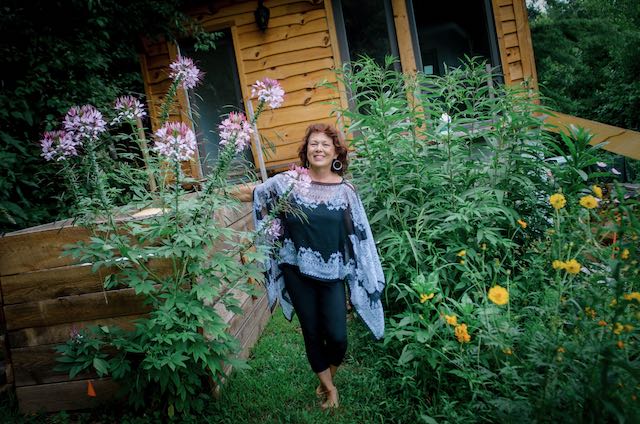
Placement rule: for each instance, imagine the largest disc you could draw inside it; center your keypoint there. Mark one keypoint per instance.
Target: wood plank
(310, 96)
(63, 281)
(68, 396)
(308, 80)
(501, 42)
(513, 54)
(292, 133)
(35, 365)
(317, 39)
(257, 37)
(526, 45)
(511, 40)
(286, 20)
(212, 22)
(29, 337)
(506, 13)
(403, 33)
(287, 58)
(89, 306)
(509, 26)
(221, 9)
(294, 114)
(515, 70)
(504, 2)
(288, 71)
(33, 251)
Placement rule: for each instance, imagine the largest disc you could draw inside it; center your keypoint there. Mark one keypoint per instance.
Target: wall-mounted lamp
(262, 16)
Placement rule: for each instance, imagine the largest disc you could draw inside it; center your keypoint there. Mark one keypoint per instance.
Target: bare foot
(332, 399)
(321, 392)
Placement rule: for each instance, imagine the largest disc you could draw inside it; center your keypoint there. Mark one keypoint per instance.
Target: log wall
(46, 296)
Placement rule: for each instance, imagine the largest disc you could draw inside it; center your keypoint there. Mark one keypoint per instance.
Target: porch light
(262, 16)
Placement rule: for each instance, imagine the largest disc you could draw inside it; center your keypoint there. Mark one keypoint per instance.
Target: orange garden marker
(91, 392)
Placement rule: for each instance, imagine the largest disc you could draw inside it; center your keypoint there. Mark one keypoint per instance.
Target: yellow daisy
(557, 201)
(498, 295)
(588, 202)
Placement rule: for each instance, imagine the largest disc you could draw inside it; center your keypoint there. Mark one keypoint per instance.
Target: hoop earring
(336, 165)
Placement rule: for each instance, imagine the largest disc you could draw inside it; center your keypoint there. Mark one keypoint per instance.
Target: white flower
(445, 118)
(176, 141)
(185, 71)
(269, 91)
(615, 171)
(601, 164)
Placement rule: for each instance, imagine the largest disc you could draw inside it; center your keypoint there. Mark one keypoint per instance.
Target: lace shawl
(357, 261)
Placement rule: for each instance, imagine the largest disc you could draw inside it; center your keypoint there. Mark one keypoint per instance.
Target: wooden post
(263, 170)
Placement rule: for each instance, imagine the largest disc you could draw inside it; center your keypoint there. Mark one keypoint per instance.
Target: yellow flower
(588, 202)
(425, 297)
(462, 253)
(484, 246)
(561, 350)
(507, 351)
(498, 295)
(597, 191)
(461, 333)
(625, 254)
(572, 266)
(461, 261)
(631, 296)
(628, 328)
(613, 303)
(590, 312)
(558, 264)
(522, 224)
(602, 323)
(618, 328)
(620, 344)
(557, 201)
(451, 319)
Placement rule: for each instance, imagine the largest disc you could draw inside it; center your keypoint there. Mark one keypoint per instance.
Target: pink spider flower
(84, 122)
(185, 71)
(58, 145)
(235, 129)
(175, 141)
(275, 230)
(302, 179)
(127, 108)
(269, 91)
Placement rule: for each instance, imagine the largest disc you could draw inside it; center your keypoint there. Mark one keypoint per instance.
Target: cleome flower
(269, 91)
(461, 333)
(127, 108)
(58, 145)
(84, 122)
(588, 202)
(175, 141)
(498, 295)
(235, 129)
(558, 201)
(302, 179)
(185, 72)
(275, 229)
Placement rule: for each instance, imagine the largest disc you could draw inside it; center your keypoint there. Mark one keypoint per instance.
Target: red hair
(338, 142)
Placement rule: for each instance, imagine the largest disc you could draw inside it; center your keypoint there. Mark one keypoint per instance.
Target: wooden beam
(403, 34)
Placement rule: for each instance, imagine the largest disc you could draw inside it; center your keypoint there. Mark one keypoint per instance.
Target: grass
(278, 388)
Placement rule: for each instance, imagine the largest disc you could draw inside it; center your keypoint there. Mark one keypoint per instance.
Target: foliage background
(57, 54)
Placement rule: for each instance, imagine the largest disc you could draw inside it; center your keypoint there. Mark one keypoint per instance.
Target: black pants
(322, 311)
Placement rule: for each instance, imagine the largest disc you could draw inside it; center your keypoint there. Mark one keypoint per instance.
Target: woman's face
(320, 150)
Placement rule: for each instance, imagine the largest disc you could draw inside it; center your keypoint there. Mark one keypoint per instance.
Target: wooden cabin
(303, 41)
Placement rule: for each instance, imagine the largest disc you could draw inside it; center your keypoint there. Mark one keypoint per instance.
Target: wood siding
(46, 296)
(514, 41)
(298, 49)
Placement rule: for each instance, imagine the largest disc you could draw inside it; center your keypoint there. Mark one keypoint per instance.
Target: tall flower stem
(144, 148)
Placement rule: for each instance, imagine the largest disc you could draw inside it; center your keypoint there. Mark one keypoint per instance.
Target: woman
(317, 252)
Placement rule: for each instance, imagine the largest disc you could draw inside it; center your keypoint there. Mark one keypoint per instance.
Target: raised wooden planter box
(45, 296)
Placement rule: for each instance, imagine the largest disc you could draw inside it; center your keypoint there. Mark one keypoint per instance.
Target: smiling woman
(316, 250)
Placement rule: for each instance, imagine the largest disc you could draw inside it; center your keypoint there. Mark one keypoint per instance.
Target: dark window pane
(217, 95)
(447, 31)
(369, 29)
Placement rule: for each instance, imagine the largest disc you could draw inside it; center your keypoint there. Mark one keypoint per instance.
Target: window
(447, 31)
(365, 28)
(217, 95)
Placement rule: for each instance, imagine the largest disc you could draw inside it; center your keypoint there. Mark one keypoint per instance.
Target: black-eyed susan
(498, 295)
(588, 202)
(572, 266)
(462, 334)
(558, 201)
